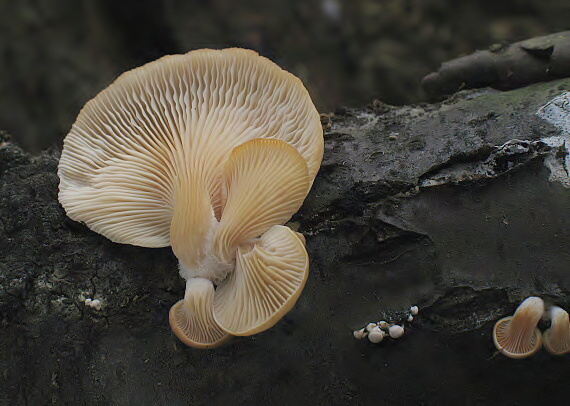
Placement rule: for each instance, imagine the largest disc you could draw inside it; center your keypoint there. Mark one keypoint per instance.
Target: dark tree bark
(460, 208)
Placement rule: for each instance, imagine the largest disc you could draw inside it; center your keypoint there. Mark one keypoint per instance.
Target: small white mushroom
(396, 331)
(383, 325)
(370, 327)
(359, 334)
(96, 304)
(414, 310)
(376, 336)
(410, 318)
(93, 303)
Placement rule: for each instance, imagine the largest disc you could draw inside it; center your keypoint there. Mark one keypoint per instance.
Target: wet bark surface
(459, 207)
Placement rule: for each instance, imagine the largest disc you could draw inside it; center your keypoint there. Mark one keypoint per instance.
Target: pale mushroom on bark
(209, 152)
(517, 336)
(557, 337)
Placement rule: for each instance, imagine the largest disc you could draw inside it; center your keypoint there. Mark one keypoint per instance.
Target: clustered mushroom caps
(377, 331)
(209, 152)
(517, 336)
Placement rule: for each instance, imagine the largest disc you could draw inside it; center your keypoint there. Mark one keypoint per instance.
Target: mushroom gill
(267, 282)
(209, 152)
(517, 336)
(191, 319)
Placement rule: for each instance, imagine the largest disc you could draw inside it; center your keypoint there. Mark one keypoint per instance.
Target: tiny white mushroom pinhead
(396, 331)
(414, 310)
(410, 318)
(96, 304)
(370, 327)
(556, 339)
(376, 336)
(517, 336)
(359, 334)
(383, 325)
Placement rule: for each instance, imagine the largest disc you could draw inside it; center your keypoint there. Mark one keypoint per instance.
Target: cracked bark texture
(452, 207)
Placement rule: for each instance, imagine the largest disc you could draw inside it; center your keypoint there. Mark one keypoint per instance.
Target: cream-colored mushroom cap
(557, 338)
(165, 130)
(517, 336)
(209, 152)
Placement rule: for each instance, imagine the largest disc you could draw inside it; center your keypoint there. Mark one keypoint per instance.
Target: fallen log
(459, 207)
(503, 66)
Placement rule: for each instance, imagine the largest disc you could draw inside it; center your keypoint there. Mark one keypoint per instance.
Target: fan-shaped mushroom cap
(191, 318)
(557, 337)
(517, 336)
(265, 285)
(164, 130)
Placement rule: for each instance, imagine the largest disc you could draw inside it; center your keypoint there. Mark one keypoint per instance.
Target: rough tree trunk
(461, 208)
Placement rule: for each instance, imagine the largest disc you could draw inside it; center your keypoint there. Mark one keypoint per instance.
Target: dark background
(55, 55)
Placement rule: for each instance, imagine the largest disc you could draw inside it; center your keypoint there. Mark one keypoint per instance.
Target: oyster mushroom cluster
(517, 336)
(210, 153)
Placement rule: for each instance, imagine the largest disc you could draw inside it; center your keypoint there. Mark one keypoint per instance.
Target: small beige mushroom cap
(360, 334)
(376, 336)
(163, 131)
(396, 331)
(191, 319)
(517, 336)
(557, 338)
